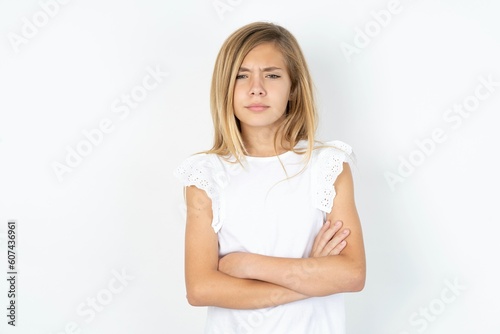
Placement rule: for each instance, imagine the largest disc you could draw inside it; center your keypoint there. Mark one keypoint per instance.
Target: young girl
(266, 248)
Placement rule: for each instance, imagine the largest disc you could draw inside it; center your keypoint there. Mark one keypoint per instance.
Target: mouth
(257, 107)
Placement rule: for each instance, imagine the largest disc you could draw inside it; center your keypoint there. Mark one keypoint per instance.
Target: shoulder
(327, 163)
(205, 172)
(199, 160)
(199, 170)
(332, 151)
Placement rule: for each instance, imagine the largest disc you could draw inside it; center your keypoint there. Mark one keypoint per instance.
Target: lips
(257, 107)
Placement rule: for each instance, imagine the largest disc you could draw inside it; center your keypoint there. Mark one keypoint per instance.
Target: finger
(323, 229)
(336, 241)
(339, 248)
(220, 266)
(325, 238)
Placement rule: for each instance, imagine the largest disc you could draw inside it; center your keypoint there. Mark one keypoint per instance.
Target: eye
(273, 76)
(241, 76)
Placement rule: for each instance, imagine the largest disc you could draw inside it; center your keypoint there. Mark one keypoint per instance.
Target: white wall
(117, 213)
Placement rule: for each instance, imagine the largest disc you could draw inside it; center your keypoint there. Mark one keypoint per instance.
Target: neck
(260, 142)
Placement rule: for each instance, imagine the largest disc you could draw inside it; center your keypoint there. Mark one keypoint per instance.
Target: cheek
(285, 95)
(238, 93)
(285, 90)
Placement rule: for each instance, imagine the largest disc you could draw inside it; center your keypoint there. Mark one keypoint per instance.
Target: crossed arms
(248, 281)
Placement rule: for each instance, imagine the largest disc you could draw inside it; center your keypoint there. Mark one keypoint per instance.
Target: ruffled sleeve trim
(204, 171)
(327, 165)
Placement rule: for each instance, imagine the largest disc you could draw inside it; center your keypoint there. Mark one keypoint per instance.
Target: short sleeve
(327, 164)
(204, 172)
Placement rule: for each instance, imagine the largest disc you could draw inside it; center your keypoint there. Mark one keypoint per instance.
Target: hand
(235, 264)
(330, 240)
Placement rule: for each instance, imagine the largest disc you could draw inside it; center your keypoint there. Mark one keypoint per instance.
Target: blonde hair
(301, 118)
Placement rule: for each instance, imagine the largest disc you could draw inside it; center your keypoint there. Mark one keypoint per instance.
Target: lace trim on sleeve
(326, 169)
(204, 173)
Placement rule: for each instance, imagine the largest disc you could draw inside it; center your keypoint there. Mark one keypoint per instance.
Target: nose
(256, 88)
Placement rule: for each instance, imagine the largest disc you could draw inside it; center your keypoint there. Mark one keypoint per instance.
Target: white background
(120, 208)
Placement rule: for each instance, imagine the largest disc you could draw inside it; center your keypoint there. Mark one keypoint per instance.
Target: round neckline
(251, 157)
(301, 144)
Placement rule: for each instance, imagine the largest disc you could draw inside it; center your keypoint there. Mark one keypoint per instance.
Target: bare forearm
(319, 276)
(332, 266)
(219, 289)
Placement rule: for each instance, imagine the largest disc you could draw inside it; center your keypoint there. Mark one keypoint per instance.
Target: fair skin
(249, 281)
(208, 285)
(317, 275)
(261, 94)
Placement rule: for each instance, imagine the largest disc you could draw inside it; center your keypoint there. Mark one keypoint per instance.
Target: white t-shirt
(257, 209)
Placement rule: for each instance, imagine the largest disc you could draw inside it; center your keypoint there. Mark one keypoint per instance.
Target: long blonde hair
(301, 118)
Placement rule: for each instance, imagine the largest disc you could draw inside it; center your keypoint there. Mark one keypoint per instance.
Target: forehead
(265, 54)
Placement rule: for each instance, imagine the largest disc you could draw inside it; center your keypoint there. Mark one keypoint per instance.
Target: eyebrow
(265, 69)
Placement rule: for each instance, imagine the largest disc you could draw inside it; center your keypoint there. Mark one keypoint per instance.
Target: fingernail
(337, 223)
(345, 231)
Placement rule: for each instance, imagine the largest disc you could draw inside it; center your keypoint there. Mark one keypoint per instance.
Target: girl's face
(262, 89)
